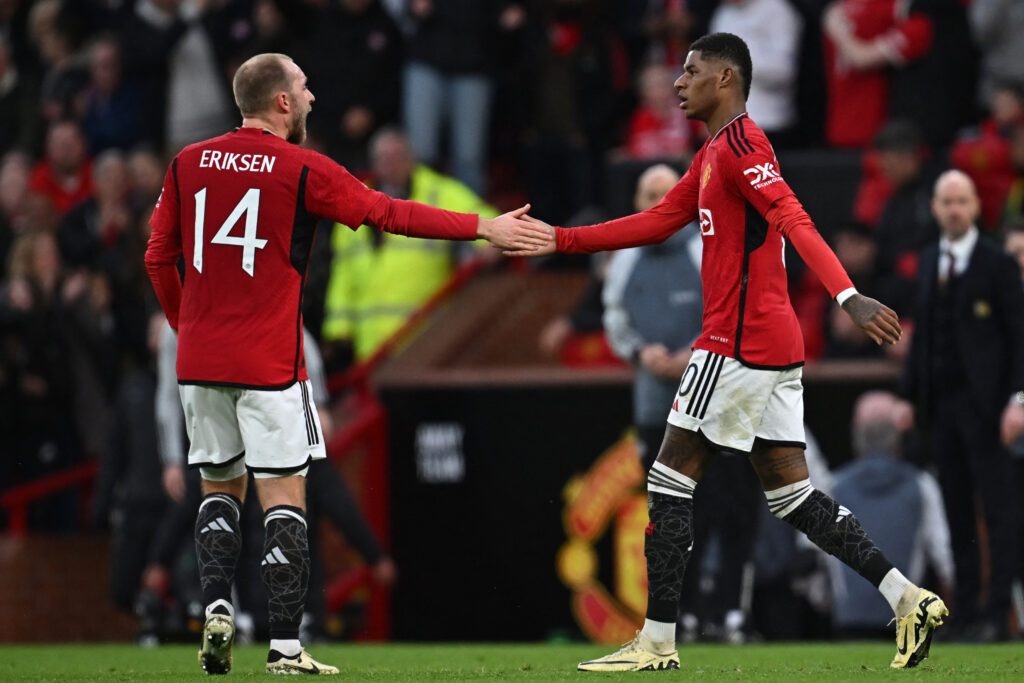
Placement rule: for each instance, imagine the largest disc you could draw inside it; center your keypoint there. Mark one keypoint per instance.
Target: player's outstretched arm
(879, 321)
(515, 231)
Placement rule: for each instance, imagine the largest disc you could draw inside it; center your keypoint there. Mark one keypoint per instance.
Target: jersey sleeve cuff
(842, 296)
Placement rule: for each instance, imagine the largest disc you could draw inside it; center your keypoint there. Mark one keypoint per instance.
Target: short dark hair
(728, 48)
(258, 80)
(899, 135)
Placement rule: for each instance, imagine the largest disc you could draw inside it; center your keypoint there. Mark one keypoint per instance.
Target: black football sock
(218, 543)
(668, 540)
(831, 527)
(285, 569)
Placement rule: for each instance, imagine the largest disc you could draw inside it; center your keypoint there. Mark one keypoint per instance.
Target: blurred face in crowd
(657, 90)
(1014, 246)
(14, 171)
(698, 86)
(899, 166)
(146, 173)
(654, 184)
(105, 66)
(65, 147)
(1006, 106)
(110, 177)
(302, 104)
(955, 204)
(392, 160)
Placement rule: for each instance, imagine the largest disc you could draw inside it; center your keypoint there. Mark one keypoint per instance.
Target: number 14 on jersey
(250, 206)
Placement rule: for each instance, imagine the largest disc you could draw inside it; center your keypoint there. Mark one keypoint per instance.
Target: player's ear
(284, 101)
(726, 76)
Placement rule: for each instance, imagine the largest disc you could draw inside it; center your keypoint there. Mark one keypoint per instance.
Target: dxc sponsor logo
(761, 173)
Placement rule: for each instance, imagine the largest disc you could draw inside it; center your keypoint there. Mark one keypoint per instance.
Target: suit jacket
(989, 320)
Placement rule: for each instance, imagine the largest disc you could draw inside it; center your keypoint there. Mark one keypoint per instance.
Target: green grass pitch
(528, 662)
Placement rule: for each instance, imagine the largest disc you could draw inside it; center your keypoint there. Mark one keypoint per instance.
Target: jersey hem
(237, 385)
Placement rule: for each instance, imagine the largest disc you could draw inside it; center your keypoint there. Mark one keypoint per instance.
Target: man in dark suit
(966, 373)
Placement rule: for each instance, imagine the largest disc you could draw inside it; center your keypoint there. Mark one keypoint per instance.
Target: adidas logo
(218, 524)
(275, 556)
(843, 512)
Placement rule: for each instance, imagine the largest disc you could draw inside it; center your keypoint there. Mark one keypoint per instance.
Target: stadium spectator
(863, 40)
(449, 78)
(772, 29)
(966, 361)
(19, 117)
(577, 77)
(109, 105)
(95, 223)
(379, 279)
(665, 29)
(984, 152)
(14, 174)
(1014, 207)
(657, 127)
(64, 175)
(145, 177)
(996, 26)
(64, 70)
(357, 48)
(171, 50)
(37, 368)
(724, 400)
(917, 89)
(906, 223)
(885, 487)
(654, 335)
(260, 391)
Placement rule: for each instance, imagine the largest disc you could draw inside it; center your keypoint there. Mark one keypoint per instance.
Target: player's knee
(784, 500)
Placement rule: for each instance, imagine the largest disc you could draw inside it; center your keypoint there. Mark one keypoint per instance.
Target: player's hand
(512, 233)
(548, 247)
(879, 321)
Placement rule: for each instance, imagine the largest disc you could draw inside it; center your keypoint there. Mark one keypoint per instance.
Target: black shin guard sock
(218, 543)
(835, 530)
(285, 569)
(667, 547)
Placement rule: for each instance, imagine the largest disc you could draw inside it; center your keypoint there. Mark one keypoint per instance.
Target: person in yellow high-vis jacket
(379, 279)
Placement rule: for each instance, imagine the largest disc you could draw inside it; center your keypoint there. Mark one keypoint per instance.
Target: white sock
(662, 633)
(893, 587)
(289, 647)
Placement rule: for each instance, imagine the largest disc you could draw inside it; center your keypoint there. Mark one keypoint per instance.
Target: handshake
(518, 234)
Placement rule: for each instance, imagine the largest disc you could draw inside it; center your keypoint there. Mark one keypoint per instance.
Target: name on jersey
(762, 175)
(233, 161)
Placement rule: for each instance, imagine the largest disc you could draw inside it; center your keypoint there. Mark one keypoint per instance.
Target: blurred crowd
(512, 100)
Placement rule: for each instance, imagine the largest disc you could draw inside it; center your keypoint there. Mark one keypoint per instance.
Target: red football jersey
(733, 183)
(242, 209)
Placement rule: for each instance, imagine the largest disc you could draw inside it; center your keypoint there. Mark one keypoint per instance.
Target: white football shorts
(272, 433)
(732, 404)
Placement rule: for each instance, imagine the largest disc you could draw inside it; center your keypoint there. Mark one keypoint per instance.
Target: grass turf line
(528, 662)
